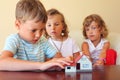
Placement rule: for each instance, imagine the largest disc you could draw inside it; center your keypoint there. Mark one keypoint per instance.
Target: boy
(27, 49)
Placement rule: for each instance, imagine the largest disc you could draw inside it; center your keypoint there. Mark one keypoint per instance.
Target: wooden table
(98, 73)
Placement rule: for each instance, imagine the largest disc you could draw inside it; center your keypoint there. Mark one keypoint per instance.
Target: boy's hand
(63, 61)
(56, 62)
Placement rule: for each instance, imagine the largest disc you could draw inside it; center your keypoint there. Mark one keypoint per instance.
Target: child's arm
(102, 55)
(85, 49)
(7, 62)
(104, 49)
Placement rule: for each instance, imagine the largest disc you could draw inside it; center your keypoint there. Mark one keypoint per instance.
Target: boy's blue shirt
(35, 52)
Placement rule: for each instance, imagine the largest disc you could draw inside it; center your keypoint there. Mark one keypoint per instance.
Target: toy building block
(85, 64)
(80, 64)
(71, 68)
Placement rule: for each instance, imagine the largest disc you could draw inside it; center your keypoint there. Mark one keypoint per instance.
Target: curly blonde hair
(101, 24)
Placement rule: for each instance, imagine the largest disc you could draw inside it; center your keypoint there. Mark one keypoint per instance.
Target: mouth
(53, 33)
(34, 41)
(91, 36)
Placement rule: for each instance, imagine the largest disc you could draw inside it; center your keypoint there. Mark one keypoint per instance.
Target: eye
(48, 25)
(93, 27)
(34, 30)
(56, 24)
(87, 29)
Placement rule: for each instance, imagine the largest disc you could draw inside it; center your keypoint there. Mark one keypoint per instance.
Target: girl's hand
(99, 62)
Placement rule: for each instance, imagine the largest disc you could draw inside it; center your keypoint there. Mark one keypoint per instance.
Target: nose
(53, 27)
(38, 34)
(90, 31)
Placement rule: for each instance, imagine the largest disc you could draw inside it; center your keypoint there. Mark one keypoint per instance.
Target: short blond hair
(30, 9)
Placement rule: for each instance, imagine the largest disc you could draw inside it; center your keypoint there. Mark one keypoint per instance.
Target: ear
(17, 24)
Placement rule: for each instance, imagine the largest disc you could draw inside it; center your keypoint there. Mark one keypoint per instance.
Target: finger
(59, 65)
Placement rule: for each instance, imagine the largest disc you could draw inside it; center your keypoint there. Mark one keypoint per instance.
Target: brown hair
(52, 12)
(101, 24)
(30, 9)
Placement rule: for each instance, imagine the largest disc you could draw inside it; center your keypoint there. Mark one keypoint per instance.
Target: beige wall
(74, 11)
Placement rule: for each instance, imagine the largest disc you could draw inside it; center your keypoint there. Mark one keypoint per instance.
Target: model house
(81, 64)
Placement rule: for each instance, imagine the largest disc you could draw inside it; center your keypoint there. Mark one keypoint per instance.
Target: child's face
(30, 31)
(54, 26)
(93, 32)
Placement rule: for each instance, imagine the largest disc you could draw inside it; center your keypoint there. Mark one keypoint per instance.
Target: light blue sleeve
(11, 43)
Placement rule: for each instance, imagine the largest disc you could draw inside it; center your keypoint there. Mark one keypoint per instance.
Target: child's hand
(99, 62)
(56, 62)
(63, 61)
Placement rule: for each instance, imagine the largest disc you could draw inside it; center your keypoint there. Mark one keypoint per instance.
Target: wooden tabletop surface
(98, 73)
